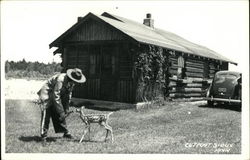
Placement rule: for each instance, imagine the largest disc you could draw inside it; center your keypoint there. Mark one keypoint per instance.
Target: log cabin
(106, 46)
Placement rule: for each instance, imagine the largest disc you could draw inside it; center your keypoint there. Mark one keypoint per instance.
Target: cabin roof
(144, 34)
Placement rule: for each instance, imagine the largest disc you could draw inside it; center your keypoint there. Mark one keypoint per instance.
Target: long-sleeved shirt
(57, 90)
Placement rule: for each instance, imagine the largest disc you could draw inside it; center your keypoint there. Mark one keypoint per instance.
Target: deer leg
(107, 133)
(106, 127)
(85, 131)
(111, 133)
(109, 129)
(89, 132)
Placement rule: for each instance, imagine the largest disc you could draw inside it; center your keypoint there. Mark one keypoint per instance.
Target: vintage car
(225, 88)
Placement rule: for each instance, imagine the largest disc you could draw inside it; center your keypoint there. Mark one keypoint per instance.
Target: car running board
(222, 100)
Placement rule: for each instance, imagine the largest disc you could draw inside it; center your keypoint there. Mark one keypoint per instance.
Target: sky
(28, 27)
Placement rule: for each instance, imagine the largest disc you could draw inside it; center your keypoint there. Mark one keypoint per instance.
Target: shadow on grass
(222, 106)
(88, 141)
(53, 139)
(36, 139)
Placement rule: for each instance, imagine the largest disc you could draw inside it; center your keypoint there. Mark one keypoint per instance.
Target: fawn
(101, 119)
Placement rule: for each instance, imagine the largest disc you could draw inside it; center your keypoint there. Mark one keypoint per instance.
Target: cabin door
(108, 69)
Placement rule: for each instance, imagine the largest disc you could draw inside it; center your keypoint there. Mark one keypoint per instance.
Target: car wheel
(210, 103)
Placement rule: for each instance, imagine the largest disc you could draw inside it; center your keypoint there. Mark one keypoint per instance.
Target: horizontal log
(209, 81)
(173, 59)
(203, 87)
(196, 70)
(194, 85)
(189, 69)
(191, 99)
(172, 84)
(175, 79)
(190, 85)
(190, 74)
(211, 76)
(196, 65)
(173, 72)
(212, 68)
(186, 95)
(194, 60)
(186, 90)
(173, 56)
(211, 71)
(175, 66)
(181, 80)
(204, 81)
(191, 80)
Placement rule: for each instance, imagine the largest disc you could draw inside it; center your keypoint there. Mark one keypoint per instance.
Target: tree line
(33, 70)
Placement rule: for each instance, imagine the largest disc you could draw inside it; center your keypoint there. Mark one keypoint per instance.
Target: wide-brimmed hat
(76, 75)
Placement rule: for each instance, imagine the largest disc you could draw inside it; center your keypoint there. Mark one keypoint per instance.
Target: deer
(101, 119)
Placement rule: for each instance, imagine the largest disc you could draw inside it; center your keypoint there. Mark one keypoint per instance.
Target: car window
(228, 76)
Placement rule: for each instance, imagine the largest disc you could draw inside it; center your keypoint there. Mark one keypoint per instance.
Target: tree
(21, 69)
(7, 66)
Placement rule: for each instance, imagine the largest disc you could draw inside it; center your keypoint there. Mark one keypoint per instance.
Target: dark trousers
(59, 125)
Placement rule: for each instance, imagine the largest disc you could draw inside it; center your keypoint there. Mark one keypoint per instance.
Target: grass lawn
(176, 127)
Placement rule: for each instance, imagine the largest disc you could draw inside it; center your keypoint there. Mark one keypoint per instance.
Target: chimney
(79, 18)
(148, 21)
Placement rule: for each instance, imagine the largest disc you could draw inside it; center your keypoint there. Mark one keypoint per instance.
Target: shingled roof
(144, 34)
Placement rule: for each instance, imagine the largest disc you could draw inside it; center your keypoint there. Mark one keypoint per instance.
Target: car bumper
(222, 100)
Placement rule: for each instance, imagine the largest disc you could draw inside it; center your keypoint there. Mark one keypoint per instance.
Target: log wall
(198, 72)
(188, 88)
